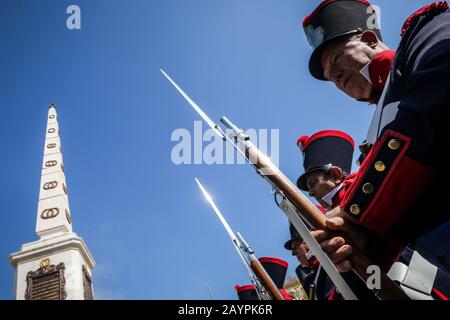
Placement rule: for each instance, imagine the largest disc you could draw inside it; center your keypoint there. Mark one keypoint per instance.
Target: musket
(264, 285)
(301, 212)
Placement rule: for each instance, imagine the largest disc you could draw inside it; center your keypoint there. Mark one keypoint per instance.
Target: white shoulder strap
(372, 134)
(417, 279)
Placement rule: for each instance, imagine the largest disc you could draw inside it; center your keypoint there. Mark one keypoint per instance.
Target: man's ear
(336, 174)
(370, 38)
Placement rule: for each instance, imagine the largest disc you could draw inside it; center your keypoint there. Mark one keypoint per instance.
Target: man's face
(342, 61)
(296, 247)
(318, 186)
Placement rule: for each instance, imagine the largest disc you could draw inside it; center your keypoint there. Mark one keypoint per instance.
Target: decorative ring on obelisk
(51, 145)
(50, 185)
(51, 130)
(51, 163)
(49, 213)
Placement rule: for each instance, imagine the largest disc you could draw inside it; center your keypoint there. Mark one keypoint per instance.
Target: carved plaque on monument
(46, 283)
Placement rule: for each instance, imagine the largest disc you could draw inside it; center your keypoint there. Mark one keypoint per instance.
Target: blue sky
(152, 234)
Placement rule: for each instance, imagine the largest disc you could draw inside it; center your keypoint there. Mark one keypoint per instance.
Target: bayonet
(196, 107)
(264, 285)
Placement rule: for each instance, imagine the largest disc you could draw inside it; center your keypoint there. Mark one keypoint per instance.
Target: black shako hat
(294, 236)
(335, 19)
(325, 149)
(246, 292)
(276, 268)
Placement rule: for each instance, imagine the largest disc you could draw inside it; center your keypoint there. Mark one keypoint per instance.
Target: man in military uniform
(327, 159)
(400, 186)
(327, 162)
(307, 269)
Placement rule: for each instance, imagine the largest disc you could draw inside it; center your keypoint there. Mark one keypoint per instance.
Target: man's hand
(337, 249)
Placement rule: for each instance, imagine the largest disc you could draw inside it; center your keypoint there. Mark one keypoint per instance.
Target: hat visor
(288, 244)
(301, 181)
(315, 62)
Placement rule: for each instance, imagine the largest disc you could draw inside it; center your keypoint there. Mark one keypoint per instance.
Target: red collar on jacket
(347, 183)
(379, 69)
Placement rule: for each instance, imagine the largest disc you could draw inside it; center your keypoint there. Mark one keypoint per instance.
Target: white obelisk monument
(58, 265)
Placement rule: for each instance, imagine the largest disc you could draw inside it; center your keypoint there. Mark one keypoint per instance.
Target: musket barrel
(228, 124)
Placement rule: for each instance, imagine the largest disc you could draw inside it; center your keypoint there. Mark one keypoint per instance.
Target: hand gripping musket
(264, 285)
(301, 212)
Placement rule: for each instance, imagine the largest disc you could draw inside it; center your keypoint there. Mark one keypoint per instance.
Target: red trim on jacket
(431, 8)
(331, 296)
(388, 249)
(439, 295)
(305, 141)
(403, 184)
(274, 260)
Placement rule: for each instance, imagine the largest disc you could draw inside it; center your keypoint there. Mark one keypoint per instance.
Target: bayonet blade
(217, 211)
(231, 234)
(195, 106)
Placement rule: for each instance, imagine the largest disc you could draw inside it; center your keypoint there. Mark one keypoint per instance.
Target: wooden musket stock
(266, 280)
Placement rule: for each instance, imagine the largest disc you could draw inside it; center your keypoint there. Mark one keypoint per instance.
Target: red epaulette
(433, 9)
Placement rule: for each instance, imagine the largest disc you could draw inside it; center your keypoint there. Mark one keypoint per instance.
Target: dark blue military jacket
(407, 166)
